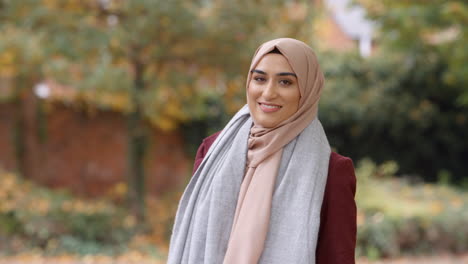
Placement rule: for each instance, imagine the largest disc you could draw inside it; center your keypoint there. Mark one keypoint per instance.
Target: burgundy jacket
(337, 234)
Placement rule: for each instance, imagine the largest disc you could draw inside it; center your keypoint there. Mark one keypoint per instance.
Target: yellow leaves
(167, 107)
(7, 71)
(164, 21)
(20, 51)
(7, 205)
(165, 123)
(181, 49)
(91, 99)
(118, 191)
(72, 5)
(457, 203)
(12, 192)
(130, 221)
(174, 109)
(114, 43)
(67, 206)
(7, 58)
(52, 244)
(117, 101)
(8, 67)
(161, 214)
(50, 3)
(172, 115)
(16, 193)
(436, 208)
(8, 182)
(92, 21)
(41, 206)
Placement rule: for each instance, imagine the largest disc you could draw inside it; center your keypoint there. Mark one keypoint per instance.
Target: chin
(267, 123)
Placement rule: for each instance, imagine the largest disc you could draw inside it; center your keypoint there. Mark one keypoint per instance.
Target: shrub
(396, 107)
(397, 217)
(55, 221)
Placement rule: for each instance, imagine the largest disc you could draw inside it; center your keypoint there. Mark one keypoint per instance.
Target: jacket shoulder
(208, 141)
(340, 169)
(203, 149)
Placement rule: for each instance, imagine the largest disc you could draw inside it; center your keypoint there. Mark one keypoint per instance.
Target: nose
(269, 91)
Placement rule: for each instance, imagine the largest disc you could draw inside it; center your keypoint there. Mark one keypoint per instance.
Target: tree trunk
(137, 134)
(18, 131)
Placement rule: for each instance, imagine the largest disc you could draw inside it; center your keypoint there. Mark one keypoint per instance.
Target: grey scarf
(206, 210)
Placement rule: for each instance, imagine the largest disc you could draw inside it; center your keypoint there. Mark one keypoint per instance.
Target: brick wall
(86, 152)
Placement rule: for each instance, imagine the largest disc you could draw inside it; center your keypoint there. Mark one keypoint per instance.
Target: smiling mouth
(268, 108)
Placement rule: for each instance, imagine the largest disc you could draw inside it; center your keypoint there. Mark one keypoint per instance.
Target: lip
(266, 109)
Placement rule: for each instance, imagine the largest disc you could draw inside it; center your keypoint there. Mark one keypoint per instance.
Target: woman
(268, 189)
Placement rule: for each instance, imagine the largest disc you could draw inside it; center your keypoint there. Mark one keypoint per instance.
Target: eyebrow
(278, 74)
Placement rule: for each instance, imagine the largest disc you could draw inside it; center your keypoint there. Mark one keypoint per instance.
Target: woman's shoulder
(341, 172)
(208, 141)
(337, 160)
(203, 149)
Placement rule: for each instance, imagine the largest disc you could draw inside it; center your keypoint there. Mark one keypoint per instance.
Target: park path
(138, 259)
(462, 259)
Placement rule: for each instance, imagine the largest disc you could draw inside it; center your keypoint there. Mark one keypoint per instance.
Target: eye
(259, 79)
(285, 82)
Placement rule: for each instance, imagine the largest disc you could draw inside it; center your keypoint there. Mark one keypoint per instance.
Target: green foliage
(175, 50)
(406, 103)
(436, 28)
(155, 60)
(396, 107)
(397, 217)
(56, 222)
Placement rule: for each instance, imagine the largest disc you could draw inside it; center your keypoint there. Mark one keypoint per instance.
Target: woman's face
(273, 92)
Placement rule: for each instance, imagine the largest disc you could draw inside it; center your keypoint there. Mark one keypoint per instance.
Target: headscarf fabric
(256, 197)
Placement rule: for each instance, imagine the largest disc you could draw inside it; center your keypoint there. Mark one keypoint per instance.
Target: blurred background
(103, 104)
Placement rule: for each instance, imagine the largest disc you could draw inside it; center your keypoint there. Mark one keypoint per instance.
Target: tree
(405, 103)
(436, 28)
(20, 59)
(163, 57)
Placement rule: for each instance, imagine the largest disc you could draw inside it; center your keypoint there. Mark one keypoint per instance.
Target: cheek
(293, 99)
(253, 93)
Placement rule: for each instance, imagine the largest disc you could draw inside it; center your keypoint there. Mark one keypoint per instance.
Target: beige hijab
(265, 147)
